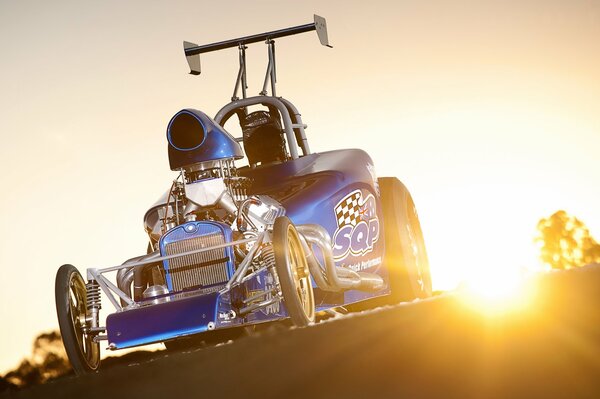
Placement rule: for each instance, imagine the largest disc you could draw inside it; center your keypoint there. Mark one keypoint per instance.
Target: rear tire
(294, 275)
(405, 253)
(71, 296)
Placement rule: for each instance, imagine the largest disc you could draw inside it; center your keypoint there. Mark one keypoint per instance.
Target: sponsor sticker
(358, 225)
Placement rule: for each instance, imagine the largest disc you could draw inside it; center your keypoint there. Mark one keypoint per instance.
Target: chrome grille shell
(211, 268)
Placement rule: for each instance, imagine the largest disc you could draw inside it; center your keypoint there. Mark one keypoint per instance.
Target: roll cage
(293, 126)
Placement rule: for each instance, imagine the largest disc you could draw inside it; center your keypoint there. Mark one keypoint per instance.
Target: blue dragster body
(310, 188)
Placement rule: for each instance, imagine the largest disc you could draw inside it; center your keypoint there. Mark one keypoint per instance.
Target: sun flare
(498, 291)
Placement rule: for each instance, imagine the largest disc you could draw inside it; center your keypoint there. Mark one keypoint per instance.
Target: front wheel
(71, 296)
(294, 275)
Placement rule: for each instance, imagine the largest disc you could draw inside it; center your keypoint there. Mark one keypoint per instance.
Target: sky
(488, 111)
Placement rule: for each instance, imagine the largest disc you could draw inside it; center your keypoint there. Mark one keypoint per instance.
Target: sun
(498, 291)
(497, 285)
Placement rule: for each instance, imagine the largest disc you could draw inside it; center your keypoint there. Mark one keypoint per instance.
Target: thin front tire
(71, 296)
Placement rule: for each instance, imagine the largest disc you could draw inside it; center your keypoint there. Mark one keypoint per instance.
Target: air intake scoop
(193, 137)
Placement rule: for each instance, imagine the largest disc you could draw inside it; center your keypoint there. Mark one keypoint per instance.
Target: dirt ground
(436, 348)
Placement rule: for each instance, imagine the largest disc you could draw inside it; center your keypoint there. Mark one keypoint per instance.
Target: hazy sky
(488, 111)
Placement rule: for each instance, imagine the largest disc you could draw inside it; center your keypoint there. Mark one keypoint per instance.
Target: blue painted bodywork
(315, 188)
(190, 313)
(161, 322)
(310, 187)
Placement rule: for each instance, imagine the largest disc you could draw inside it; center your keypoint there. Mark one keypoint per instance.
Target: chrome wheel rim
(77, 309)
(300, 273)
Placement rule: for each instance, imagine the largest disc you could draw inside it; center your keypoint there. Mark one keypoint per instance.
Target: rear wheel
(294, 275)
(71, 296)
(405, 254)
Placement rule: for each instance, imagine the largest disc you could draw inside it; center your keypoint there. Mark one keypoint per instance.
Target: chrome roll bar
(284, 107)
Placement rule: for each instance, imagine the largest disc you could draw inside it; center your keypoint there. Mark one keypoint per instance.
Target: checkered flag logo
(348, 210)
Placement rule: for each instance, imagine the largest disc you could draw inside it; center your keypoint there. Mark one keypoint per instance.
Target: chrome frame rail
(110, 289)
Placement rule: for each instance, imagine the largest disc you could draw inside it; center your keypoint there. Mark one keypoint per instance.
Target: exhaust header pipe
(331, 277)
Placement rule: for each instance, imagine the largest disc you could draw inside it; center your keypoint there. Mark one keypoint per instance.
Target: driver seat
(263, 137)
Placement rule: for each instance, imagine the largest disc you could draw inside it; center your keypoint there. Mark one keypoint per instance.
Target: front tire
(71, 297)
(405, 254)
(294, 275)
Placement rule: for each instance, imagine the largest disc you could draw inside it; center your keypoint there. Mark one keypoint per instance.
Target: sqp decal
(358, 225)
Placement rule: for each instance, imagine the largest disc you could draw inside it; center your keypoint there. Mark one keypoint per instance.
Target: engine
(207, 205)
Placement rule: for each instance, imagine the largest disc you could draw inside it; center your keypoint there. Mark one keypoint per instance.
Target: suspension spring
(268, 255)
(93, 295)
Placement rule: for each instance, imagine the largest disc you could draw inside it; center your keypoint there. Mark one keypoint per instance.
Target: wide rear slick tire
(294, 275)
(71, 296)
(405, 254)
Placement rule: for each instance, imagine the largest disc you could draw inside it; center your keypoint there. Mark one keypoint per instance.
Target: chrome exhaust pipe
(316, 270)
(126, 276)
(330, 277)
(124, 280)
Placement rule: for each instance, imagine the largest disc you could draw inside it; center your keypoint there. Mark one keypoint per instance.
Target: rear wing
(292, 121)
(193, 51)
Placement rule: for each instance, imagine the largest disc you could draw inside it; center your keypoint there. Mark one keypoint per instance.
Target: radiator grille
(197, 270)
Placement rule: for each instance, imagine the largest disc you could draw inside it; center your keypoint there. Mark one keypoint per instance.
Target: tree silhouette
(48, 361)
(566, 242)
